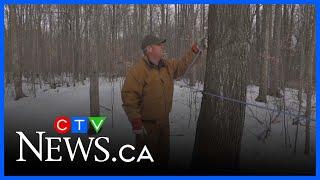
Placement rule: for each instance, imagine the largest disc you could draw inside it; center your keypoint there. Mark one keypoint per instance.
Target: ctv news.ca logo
(64, 125)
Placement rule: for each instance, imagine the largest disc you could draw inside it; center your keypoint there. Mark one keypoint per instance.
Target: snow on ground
(276, 148)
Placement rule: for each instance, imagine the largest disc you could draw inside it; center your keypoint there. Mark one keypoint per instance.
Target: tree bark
(276, 54)
(94, 74)
(219, 132)
(15, 24)
(263, 89)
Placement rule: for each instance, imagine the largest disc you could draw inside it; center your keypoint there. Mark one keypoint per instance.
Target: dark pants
(157, 140)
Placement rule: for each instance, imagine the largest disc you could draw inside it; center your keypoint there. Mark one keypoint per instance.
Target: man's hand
(137, 126)
(201, 46)
(195, 48)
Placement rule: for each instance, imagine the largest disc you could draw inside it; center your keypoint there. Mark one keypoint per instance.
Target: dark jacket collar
(151, 65)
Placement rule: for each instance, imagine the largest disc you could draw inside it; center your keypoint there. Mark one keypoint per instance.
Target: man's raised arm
(179, 66)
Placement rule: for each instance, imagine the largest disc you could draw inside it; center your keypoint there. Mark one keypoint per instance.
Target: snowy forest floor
(262, 141)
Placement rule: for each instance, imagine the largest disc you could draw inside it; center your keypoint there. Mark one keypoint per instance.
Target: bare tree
(15, 23)
(263, 89)
(219, 133)
(276, 55)
(94, 74)
(310, 48)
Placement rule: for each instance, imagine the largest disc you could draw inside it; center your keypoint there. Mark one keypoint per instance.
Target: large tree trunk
(94, 74)
(142, 18)
(258, 47)
(76, 43)
(276, 56)
(163, 21)
(150, 19)
(16, 51)
(310, 49)
(286, 33)
(263, 90)
(219, 132)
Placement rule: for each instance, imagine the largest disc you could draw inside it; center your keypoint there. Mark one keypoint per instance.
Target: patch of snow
(276, 148)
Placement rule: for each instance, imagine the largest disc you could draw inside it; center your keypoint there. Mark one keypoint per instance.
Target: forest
(258, 70)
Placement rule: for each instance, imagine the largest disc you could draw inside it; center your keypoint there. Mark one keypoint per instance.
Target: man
(147, 96)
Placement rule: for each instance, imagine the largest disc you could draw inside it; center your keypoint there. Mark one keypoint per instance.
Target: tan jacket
(148, 89)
